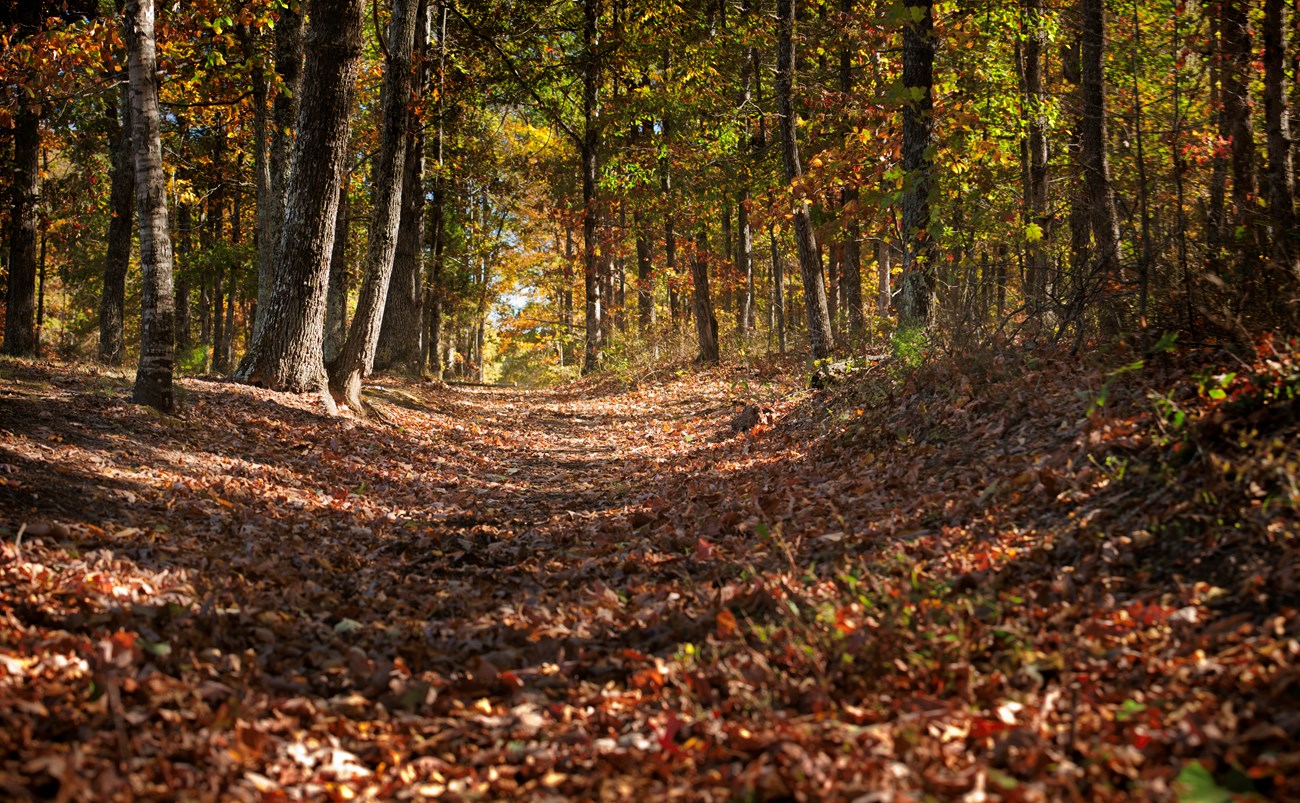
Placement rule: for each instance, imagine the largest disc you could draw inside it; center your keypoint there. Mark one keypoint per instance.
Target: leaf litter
(970, 582)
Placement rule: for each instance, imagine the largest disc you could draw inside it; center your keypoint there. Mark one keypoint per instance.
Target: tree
(821, 341)
(1281, 176)
(358, 355)
(153, 378)
(916, 296)
(20, 308)
(286, 352)
(1094, 157)
(121, 209)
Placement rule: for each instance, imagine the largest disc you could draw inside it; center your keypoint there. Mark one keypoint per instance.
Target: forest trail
(937, 585)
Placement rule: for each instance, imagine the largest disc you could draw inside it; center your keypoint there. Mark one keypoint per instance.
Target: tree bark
(284, 115)
(401, 334)
(286, 354)
(778, 290)
(916, 296)
(336, 292)
(820, 339)
(1036, 178)
(706, 324)
(153, 378)
(20, 309)
(1093, 154)
(1236, 74)
(1281, 178)
(112, 302)
(358, 356)
(590, 152)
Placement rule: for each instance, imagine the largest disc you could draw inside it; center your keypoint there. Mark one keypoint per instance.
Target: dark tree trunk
(401, 335)
(20, 309)
(706, 325)
(1237, 70)
(336, 291)
(1281, 178)
(286, 354)
(183, 256)
(112, 302)
(821, 341)
(778, 290)
(590, 152)
(358, 356)
(916, 296)
(1093, 153)
(153, 378)
(852, 264)
(645, 277)
(1036, 174)
(284, 118)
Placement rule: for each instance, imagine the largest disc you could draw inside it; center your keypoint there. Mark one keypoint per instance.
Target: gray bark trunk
(336, 293)
(1093, 155)
(590, 151)
(286, 354)
(358, 356)
(153, 378)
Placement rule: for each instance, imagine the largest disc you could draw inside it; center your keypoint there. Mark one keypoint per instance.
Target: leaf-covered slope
(954, 584)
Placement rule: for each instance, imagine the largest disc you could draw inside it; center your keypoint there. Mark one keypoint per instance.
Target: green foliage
(910, 345)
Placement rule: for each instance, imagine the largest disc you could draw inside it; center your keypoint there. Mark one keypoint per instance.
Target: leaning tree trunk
(286, 353)
(153, 378)
(112, 301)
(1093, 155)
(284, 115)
(916, 295)
(820, 339)
(400, 335)
(358, 356)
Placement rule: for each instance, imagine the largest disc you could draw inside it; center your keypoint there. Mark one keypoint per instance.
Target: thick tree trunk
(358, 356)
(706, 325)
(590, 152)
(1093, 154)
(1281, 178)
(820, 339)
(286, 354)
(336, 291)
(284, 118)
(916, 296)
(153, 378)
(20, 309)
(112, 302)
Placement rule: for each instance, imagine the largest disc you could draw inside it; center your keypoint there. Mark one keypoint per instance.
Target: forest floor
(968, 581)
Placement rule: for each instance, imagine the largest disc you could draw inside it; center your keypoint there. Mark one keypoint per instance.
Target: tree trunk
(744, 265)
(778, 290)
(183, 257)
(358, 356)
(336, 291)
(1281, 178)
(916, 296)
(20, 309)
(821, 341)
(401, 335)
(153, 378)
(1036, 176)
(284, 114)
(590, 151)
(706, 325)
(1237, 71)
(286, 354)
(645, 277)
(112, 302)
(852, 264)
(1093, 154)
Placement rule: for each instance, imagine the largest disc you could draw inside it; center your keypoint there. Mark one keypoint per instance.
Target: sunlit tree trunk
(358, 355)
(821, 341)
(336, 290)
(112, 302)
(153, 378)
(286, 353)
